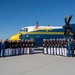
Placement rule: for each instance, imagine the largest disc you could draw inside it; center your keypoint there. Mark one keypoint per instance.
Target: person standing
(69, 46)
(44, 46)
(6, 42)
(54, 46)
(3, 49)
(10, 48)
(0, 47)
(73, 48)
(51, 46)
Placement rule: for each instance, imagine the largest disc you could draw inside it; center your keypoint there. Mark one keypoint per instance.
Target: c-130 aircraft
(38, 33)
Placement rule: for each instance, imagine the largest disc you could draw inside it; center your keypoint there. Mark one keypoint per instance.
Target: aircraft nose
(15, 37)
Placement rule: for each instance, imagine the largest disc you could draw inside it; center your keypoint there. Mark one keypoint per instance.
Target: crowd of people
(61, 47)
(8, 47)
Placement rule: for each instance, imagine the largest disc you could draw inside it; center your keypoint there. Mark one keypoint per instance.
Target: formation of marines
(55, 46)
(50, 46)
(17, 47)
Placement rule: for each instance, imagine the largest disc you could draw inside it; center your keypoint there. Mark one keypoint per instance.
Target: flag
(36, 24)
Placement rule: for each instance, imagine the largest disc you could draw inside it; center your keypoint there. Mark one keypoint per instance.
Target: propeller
(67, 26)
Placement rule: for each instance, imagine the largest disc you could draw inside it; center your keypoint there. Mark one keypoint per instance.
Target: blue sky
(15, 14)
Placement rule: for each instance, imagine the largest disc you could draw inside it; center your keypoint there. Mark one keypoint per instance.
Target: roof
(33, 28)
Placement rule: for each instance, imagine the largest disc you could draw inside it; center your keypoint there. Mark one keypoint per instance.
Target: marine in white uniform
(45, 46)
(65, 48)
(58, 46)
(48, 46)
(6, 42)
(10, 48)
(52, 49)
(55, 49)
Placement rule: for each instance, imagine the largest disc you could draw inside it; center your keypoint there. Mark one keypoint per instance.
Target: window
(24, 30)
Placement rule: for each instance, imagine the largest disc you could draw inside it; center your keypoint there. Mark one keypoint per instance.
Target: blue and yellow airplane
(38, 33)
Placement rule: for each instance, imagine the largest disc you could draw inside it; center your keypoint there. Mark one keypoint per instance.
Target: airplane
(38, 33)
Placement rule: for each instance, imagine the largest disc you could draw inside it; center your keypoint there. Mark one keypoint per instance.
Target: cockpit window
(24, 30)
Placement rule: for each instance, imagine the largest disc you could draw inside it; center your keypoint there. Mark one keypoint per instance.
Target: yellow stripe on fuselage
(54, 33)
(42, 28)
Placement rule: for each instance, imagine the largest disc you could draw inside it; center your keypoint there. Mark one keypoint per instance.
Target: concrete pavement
(37, 64)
